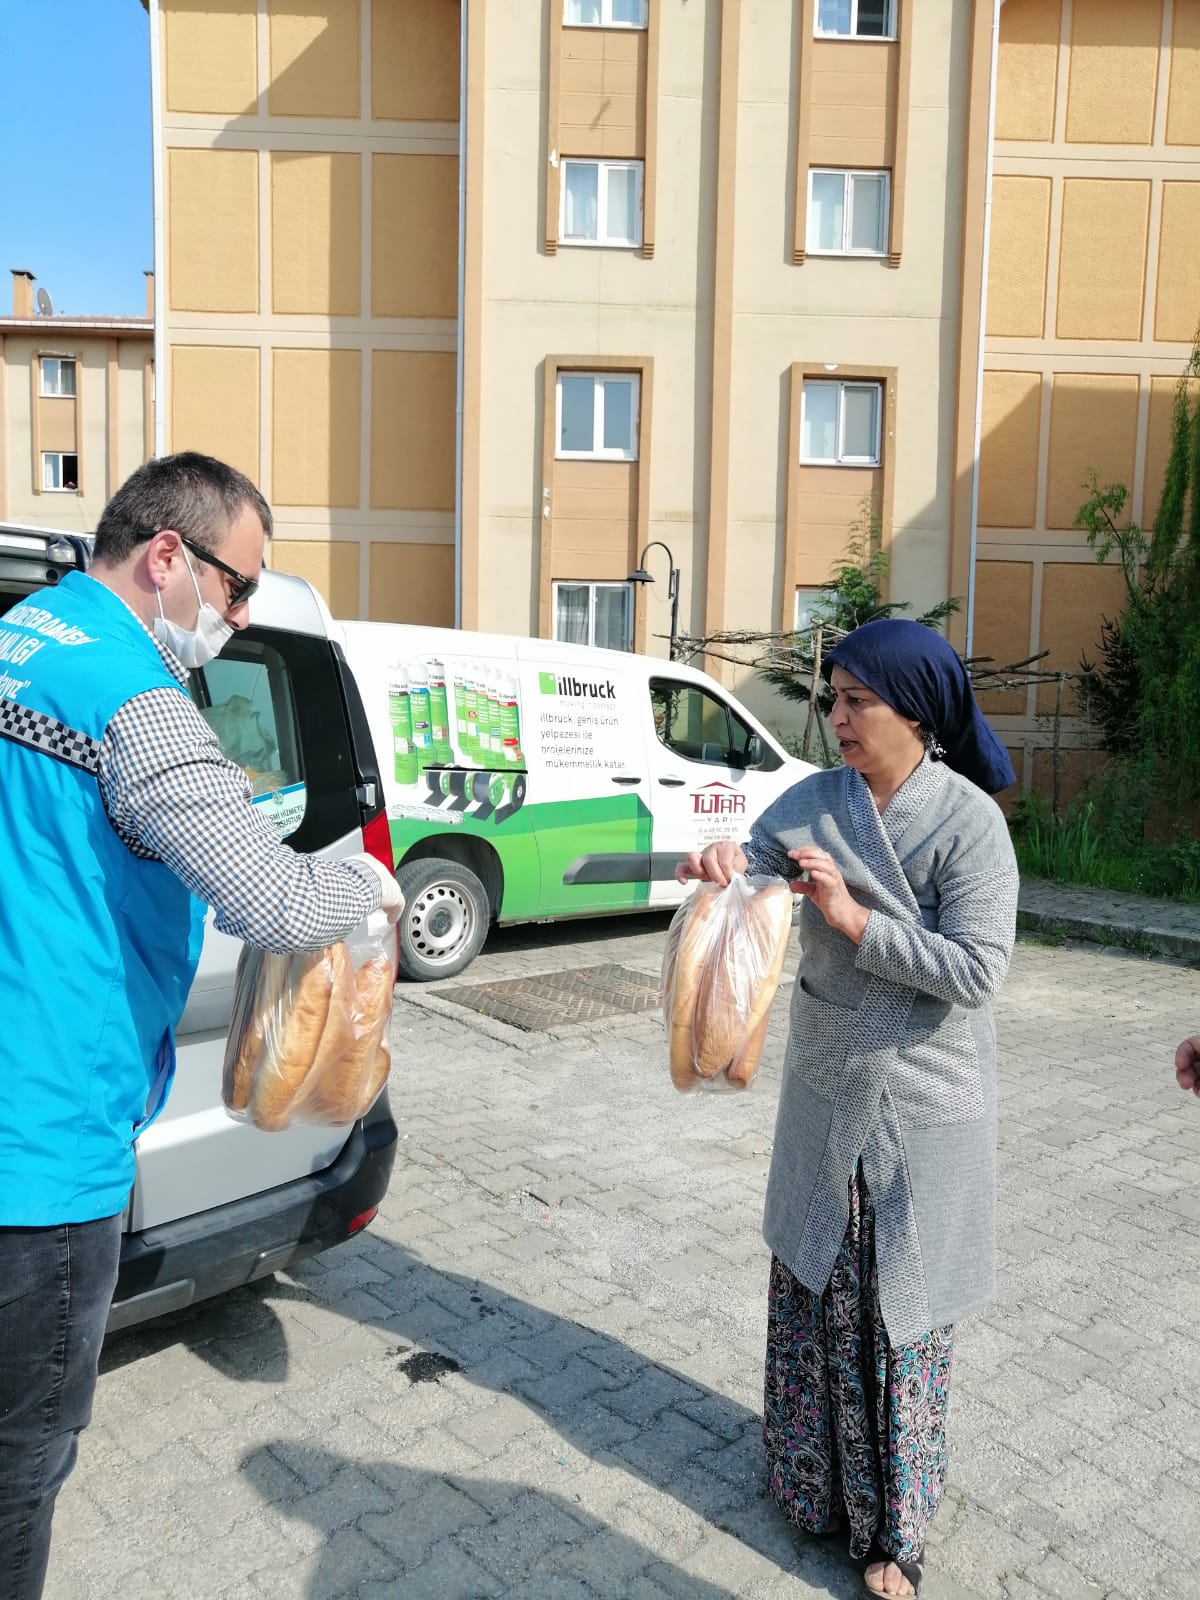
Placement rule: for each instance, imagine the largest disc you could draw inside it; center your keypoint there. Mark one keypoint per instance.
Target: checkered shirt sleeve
(172, 796)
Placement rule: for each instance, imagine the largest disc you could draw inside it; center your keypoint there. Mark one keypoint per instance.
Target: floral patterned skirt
(854, 1429)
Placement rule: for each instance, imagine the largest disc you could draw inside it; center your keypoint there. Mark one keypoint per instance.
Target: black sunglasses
(242, 588)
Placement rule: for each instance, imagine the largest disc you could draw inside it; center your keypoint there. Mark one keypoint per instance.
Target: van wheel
(445, 921)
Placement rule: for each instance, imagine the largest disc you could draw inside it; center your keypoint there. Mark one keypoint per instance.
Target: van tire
(445, 920)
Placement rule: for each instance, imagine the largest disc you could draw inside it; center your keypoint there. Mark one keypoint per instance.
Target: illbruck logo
(572, 688)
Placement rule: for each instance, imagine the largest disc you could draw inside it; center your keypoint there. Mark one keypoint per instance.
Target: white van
(529, 780)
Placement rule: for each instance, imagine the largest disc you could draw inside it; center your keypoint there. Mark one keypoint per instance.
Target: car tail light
(358, 1223)
(377, 840)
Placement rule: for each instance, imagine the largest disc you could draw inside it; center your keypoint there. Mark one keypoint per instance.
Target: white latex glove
(391, 901)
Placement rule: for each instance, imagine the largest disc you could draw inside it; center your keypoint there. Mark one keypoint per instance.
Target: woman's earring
(935, 749)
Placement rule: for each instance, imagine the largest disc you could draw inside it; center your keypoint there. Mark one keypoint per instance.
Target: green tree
(1143, 692)
(852, 595)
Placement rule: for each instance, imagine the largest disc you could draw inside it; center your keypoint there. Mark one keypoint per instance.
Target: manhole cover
(588, 994)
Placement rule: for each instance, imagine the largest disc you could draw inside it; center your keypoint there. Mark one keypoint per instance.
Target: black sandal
(913, 1570)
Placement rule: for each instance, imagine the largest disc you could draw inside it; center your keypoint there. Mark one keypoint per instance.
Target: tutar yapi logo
(718, 800)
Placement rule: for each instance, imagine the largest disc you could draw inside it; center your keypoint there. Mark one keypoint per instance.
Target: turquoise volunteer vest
(97, 947)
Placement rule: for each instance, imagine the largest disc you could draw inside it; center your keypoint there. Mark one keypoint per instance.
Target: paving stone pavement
(584, 1243)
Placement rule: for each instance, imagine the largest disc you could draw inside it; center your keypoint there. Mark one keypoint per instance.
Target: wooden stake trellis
(800, 655)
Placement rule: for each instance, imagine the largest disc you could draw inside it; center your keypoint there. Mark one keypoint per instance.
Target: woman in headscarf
(880, 1211)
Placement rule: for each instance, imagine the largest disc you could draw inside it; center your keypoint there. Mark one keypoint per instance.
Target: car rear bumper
(166, 1268)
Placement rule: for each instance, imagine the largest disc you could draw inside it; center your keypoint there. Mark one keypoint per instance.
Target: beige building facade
(76, 409)
(1093, 305)
(307, 160)
(505, 302)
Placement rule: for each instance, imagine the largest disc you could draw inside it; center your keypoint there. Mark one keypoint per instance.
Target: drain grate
(554, 999)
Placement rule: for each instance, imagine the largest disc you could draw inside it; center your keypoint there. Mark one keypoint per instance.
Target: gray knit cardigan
(891, 1054)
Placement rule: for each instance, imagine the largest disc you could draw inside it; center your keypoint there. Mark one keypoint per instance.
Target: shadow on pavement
(433, 1535)
(603, 1399)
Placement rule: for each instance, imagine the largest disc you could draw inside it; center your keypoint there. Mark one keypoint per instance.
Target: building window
(594, 613)
(598, 416)
(847, 213)
(60, 471)
(601, 203)
(839, 423)
(856, 19)
(807, 601)
(605, 13)
(58, 377)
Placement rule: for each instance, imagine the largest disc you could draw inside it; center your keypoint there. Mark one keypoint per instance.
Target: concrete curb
(1160, 943)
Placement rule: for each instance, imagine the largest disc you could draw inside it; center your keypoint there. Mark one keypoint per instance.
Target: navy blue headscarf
(919, 675)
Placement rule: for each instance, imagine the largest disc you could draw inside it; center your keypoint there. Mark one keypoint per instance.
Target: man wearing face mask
(122, 822)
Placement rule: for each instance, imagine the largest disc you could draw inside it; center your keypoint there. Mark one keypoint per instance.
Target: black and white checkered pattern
(49, 736)
(172, 796)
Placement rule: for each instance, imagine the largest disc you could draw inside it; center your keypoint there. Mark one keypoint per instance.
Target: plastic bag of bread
(308, 1038)
(724, 956)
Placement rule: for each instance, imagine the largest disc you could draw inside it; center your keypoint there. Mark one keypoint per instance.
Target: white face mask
(195, 647)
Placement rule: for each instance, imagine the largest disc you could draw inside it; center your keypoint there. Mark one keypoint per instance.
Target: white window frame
(59, 488)
(44, 389)
(840, 458)
(868, 38)
(592, 586)
(599, 452)
(848, 174)
(807, 601)
(606, 19)
(602, 241)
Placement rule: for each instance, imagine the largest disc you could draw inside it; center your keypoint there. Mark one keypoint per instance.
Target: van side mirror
(753, 753)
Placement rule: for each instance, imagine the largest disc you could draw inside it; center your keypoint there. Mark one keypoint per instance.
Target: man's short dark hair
(197, 495)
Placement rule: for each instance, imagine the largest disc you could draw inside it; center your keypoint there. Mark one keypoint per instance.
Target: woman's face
(871, 736)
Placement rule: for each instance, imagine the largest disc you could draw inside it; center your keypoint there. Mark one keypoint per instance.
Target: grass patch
(1078, 847)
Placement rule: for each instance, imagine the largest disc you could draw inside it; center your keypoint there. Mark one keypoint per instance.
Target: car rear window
(274, 702)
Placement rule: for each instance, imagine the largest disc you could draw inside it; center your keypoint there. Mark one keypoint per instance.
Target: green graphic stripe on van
(535, 846)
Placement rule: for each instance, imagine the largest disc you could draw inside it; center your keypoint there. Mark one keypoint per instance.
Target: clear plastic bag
(721, 968)
(308, 1038)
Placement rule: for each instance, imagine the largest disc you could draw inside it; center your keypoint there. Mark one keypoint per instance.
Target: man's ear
(162, 551)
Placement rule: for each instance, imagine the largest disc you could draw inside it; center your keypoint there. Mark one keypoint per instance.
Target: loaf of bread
(261, 978)
(688, 949)
(723, 965)
(307, 1038)
(346, 1087)
(775, 912)
(290, 1047)
(244, 1042)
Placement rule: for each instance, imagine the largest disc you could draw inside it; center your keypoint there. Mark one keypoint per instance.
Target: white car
(216, 1203)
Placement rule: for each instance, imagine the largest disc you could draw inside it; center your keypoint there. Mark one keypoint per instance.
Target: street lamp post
(642, 576)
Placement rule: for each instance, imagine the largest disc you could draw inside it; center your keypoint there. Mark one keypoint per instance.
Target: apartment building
(1093, 302)
(76, 408)
(506, 303)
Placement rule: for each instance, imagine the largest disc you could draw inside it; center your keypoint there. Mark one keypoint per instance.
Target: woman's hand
(825, 886)
(718, 864)
(1187, 1064)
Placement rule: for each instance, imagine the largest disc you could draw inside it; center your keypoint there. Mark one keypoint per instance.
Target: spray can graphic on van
(510, 722)
(400, 714)
(439, 714)
(483, 720)
(495, 733)
(470, 678)
(457, 683)
(418, 700)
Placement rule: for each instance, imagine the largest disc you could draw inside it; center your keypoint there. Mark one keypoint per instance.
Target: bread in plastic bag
(724, 956)
(308, 1038)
